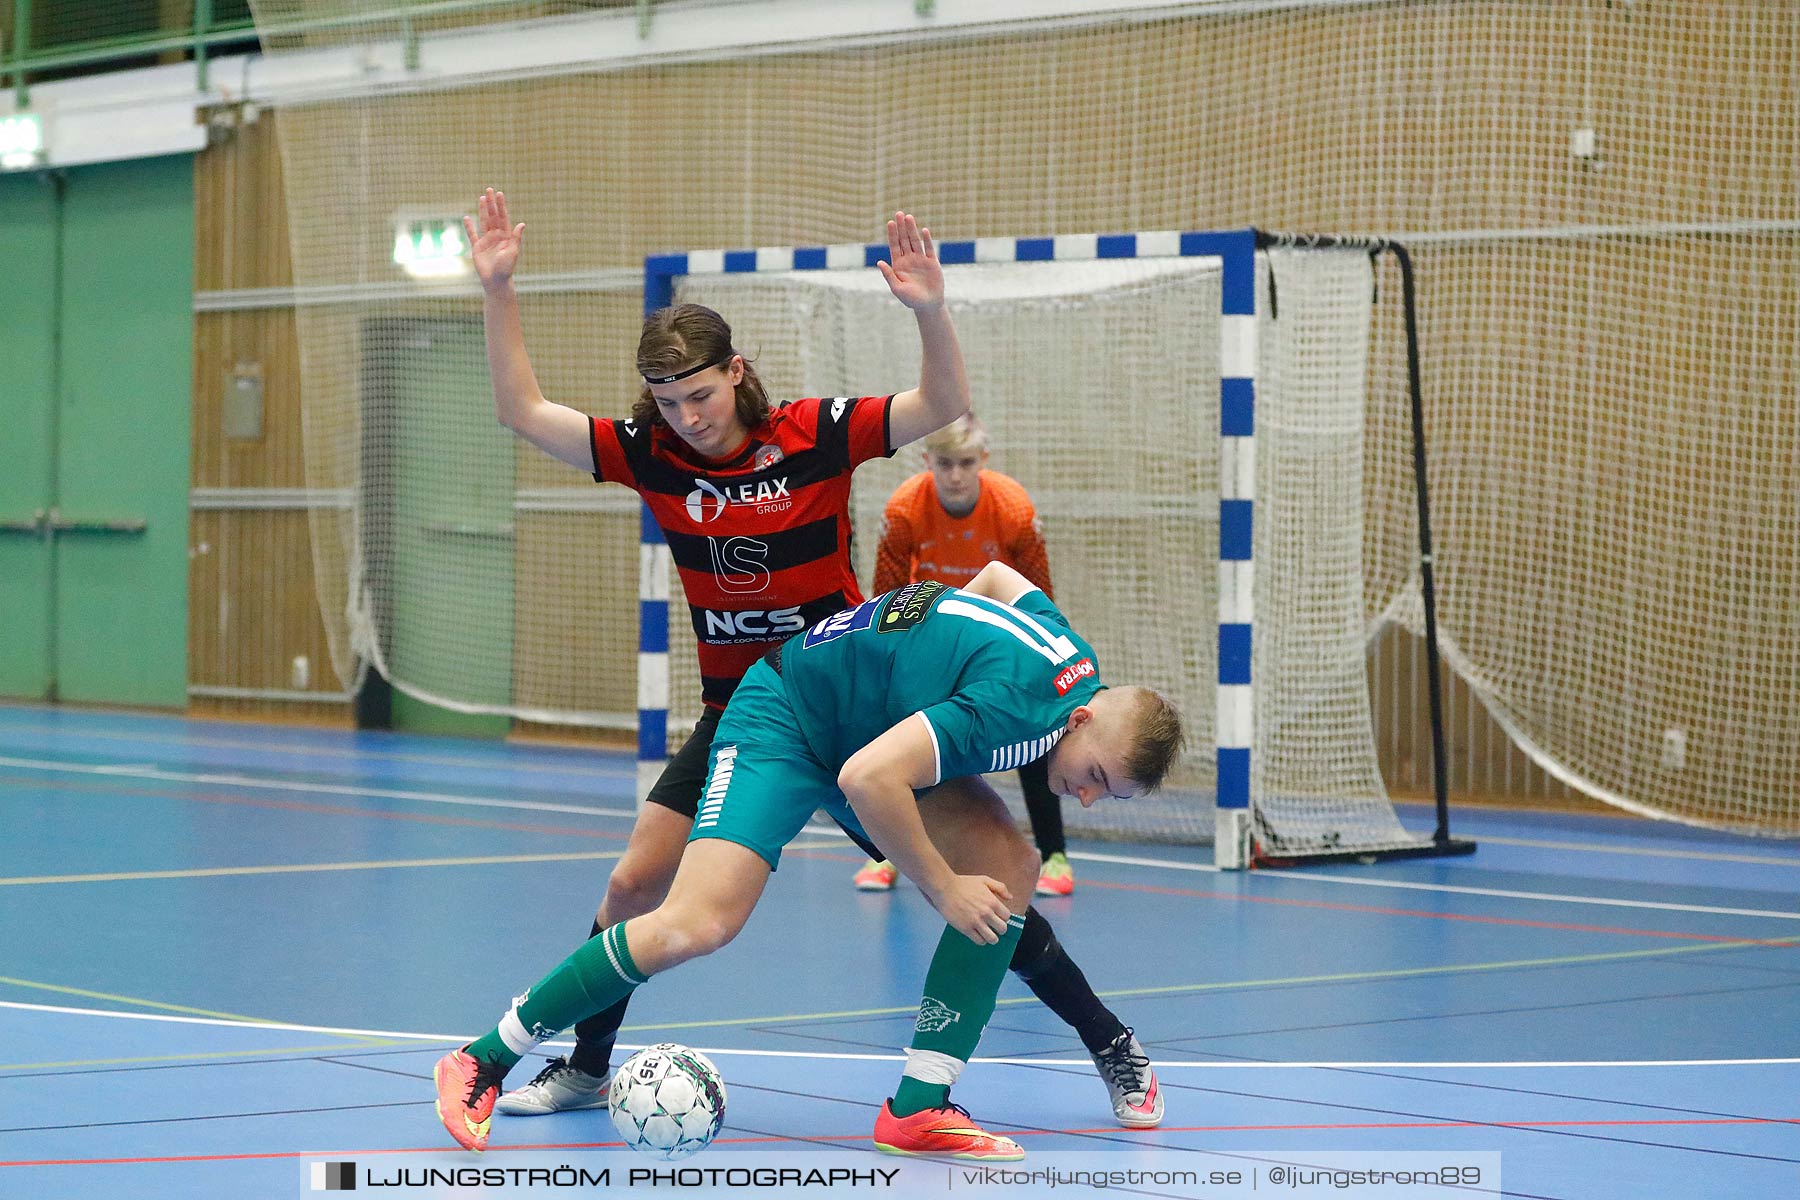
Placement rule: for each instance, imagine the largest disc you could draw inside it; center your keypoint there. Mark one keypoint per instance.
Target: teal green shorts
(764, 782)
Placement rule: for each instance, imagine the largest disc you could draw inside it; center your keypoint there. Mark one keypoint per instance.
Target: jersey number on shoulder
(1019, 624)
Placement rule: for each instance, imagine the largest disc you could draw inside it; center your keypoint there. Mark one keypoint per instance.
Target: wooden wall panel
(241, 222)
(253, 604)
(253, 607)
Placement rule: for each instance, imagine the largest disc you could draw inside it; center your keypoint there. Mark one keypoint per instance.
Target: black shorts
(678, 788)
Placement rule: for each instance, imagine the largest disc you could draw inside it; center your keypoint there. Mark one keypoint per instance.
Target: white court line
(1134, 861)
(1406, 885)
(123, 771)
(626, 773)
(117, 770)
(489, 860)
(457, 1038)
(1535, 844)
(1661, 906)
(1764, 860)
(356, 752)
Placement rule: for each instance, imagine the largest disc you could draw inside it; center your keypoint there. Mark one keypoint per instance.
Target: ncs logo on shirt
(1072, 674)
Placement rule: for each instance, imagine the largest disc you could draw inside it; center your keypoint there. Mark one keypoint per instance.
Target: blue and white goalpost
(1234, 257)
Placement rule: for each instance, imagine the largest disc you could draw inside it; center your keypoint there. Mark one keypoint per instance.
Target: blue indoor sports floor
(230, 950)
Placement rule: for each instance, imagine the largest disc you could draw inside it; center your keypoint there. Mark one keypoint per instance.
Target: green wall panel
(123, 431)
(28, 235)
(444, 537)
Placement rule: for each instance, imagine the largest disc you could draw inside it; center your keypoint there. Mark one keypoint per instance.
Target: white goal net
(1099, 384)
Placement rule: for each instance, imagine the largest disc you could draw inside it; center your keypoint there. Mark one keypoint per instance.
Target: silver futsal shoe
(1136, 1099)
(557, 1088)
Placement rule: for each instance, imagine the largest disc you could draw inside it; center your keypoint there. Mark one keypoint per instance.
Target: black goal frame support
(1441, 845)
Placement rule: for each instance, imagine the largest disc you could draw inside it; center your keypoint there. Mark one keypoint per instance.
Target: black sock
(594, 1036)
(1044, 807)
(1054, 978)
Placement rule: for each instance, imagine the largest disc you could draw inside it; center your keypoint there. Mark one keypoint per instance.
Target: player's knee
(695, 934)
(1026, 861)
(1015, 863)
(1038, 951)
(636, 886)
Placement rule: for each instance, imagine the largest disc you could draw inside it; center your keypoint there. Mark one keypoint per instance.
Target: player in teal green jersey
(885, 715)
(987, 686)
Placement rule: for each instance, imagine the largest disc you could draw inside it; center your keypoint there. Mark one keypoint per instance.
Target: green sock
(913, 1096)
(960, 989)
(594, 978)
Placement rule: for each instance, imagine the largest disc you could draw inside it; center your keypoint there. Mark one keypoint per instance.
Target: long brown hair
(688, 335)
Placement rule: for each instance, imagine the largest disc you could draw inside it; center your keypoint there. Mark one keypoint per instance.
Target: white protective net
(1315, 784)
(1608, 323)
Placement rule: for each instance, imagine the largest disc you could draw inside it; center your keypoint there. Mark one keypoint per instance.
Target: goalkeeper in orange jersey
(947, 523)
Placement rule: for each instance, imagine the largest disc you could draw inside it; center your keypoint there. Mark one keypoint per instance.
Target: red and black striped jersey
(760, 538)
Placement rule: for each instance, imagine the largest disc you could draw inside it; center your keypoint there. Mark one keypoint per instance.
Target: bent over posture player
(754, 502)
(854, 716)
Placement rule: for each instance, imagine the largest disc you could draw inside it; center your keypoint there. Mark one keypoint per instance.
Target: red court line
(336, 810)
(858, 1137)
(1562, 926)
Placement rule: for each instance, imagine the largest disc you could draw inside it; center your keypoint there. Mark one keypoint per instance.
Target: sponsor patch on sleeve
(1072, 674)
(908, 606)
(838, 624)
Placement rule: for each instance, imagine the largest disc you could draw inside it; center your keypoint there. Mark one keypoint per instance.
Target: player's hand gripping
(912, 271)
(975, 906)
(496, 244)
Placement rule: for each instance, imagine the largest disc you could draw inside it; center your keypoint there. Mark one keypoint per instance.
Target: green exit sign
(21, 141)
(432, 248)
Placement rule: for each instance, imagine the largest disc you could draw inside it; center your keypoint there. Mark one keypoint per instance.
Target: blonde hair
(964, 433)
(1156, 736)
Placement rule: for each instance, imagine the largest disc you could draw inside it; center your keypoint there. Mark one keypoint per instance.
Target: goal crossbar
(1233, 254)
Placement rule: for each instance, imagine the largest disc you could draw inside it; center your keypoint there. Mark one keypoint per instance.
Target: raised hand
(496, 244)
(912, 271)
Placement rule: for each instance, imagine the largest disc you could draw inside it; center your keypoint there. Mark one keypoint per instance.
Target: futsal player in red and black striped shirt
(753, 501)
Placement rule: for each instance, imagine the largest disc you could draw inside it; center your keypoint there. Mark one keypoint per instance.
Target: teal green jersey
(994, 682)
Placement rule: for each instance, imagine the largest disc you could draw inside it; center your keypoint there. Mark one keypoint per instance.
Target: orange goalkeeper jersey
(919, 540)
